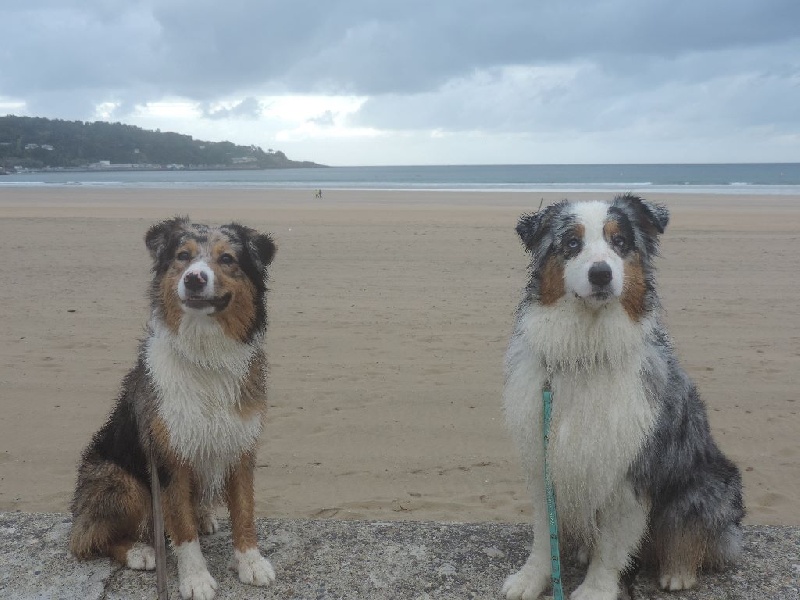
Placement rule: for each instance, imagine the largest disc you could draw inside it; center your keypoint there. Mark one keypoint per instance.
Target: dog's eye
(184, 255)
(227, 259)
(619, 242)
(573, 243)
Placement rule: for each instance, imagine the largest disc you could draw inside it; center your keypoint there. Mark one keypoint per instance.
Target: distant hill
(38, 143)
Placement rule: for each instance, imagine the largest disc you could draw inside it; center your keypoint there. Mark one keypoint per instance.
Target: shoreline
(385, 382)
(746, 190)
(290, 196)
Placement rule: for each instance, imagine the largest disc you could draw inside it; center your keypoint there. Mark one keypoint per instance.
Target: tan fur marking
(682, 553)
(159, 435)
(552, 287)
(119, 552)
(253, 399)
(180, 514)
(237, 318)
(183, 502)
(634, 288)
(170, 301)
(190, 246)
(177, 500)
(239, 496)
(220, 246)
(88, 538)
(610, 229)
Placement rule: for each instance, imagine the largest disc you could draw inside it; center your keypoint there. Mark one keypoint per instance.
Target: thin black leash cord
(158, 531)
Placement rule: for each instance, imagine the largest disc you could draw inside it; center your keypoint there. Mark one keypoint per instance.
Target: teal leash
(552, 515)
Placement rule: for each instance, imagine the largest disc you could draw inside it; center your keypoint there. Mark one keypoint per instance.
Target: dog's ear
(533, 227)
(160, 235)
(657, 214)
(652, 217)
(262, 249)
(259, 247)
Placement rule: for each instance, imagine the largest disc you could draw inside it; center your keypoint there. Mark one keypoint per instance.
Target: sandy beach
(389, 317)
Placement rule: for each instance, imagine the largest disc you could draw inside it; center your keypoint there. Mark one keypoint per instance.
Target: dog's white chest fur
(600, 421)
(601, 414)
(198, 399)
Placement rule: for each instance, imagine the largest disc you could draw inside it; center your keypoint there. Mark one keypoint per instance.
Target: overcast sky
(358, 82)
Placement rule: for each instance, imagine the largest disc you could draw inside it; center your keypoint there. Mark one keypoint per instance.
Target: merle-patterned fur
(124, 442)
(163, 238)
(545, 232)
(680, 468)
(118, 440)
(689, 484)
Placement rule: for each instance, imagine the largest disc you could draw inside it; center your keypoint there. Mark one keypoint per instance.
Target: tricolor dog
(196, 398)
(634, 467)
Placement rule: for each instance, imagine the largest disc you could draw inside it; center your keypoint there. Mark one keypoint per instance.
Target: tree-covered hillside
(36, 143)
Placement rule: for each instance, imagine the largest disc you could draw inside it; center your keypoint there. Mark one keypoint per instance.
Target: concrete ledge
(362, 560)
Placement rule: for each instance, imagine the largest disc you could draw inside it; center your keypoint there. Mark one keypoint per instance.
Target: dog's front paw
(593, 592)
(194, 580)
(141, 557)
(253, 568)
(526, 584)
(197, 585)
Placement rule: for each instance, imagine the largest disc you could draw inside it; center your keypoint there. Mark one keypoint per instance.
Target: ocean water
(764, 178)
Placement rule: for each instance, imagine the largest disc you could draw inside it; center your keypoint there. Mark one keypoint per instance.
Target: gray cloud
(662, 68)
(688, 94)
(201, 49)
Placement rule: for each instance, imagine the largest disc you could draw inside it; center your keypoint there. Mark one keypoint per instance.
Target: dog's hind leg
(682, 550)
(111, 512)
(622, 523)
(726, 548)
(680, 554)
(700, 525)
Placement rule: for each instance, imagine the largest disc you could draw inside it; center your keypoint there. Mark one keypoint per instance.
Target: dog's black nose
(600, 273)
(195, 281)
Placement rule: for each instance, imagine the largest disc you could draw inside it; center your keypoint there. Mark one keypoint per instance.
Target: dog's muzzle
(196, 290)
(600, 274)
(195, 281)
(218, 303)
(600, 277)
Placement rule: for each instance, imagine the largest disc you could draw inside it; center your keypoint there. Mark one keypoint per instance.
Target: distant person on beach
(318, 194)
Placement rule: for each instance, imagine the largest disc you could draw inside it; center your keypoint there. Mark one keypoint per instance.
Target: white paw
(253, 568)
(677, 581)
(208, 524)
(582, 556)
(194, 580)
(197, 585)
(591, 592)
(525, 584)
(141, 557)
